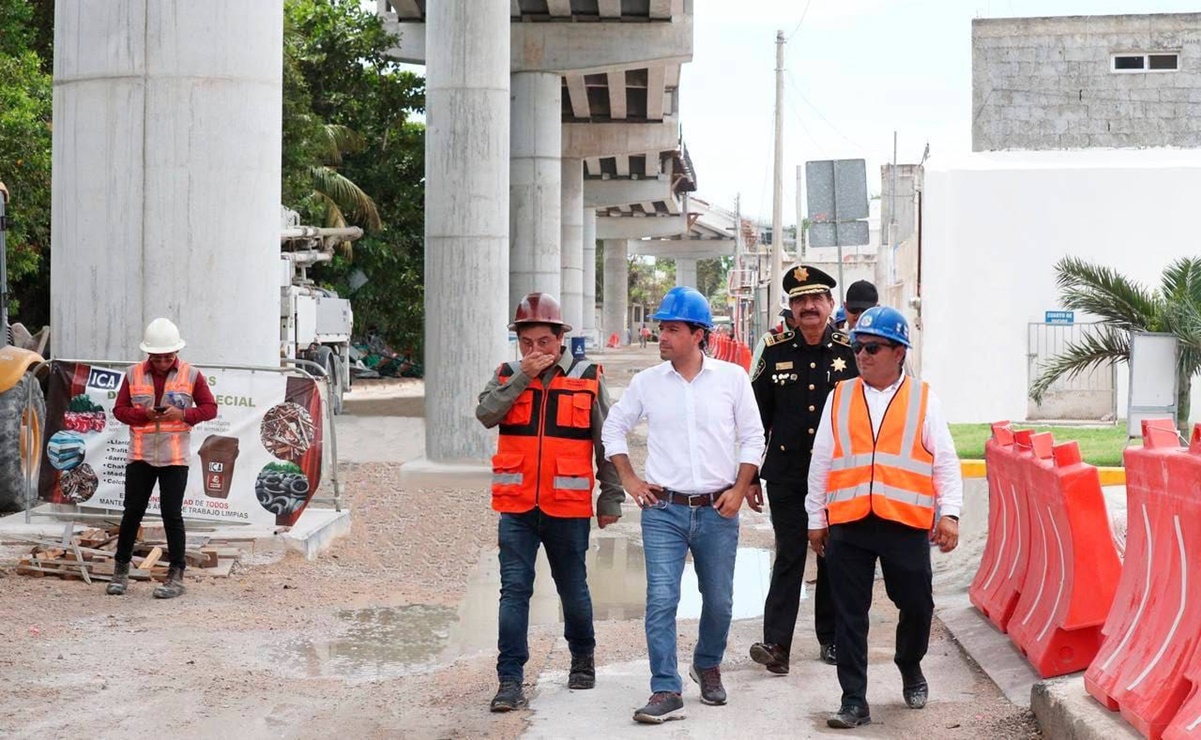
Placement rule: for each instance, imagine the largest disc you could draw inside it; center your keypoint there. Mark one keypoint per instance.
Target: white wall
(994, 225)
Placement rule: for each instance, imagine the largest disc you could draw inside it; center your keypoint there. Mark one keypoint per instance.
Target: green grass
(1101, 446)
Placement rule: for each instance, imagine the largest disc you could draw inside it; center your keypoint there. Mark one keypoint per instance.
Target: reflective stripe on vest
(544, 454)
(890, 473)
(161, 443)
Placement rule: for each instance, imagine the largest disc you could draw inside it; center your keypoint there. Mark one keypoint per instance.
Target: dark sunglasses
(872, 348)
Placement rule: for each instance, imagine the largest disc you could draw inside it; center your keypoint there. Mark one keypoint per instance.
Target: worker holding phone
(160, 399)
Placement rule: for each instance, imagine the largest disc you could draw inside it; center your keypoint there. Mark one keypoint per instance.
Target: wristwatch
(951, 517)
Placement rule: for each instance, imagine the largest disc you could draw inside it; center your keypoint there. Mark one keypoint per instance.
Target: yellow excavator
(22, 403)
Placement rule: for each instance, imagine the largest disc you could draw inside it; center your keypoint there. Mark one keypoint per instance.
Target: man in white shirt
(704, 444)
(883, 460)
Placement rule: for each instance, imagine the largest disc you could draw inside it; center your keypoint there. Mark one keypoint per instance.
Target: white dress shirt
(936, 436)
(699, 432)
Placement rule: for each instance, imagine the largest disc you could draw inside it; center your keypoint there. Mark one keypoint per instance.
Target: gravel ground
(359, 643)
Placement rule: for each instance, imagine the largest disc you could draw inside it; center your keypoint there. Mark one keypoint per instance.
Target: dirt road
(392, 634)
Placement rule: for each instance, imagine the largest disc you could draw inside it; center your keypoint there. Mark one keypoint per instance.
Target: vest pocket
(573, 479)
(507, 476)
(521, 411)
(574, 410)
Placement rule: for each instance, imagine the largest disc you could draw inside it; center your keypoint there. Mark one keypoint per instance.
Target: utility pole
(777, 203)
(892, 220)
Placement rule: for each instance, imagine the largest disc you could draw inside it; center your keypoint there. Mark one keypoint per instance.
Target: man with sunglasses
(882, 460)
(861, 295)
(791, 380)
(160, 399)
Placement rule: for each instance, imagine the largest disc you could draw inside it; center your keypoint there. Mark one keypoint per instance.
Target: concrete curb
(1066, 711)
(1109, 476)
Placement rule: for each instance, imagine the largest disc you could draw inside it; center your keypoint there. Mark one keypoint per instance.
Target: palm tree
(336, 196)
(1124, 306)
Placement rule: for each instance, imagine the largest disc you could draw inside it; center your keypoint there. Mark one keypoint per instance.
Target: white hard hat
(161, 338)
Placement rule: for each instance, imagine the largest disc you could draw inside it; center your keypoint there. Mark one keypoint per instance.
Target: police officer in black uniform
(798, 369)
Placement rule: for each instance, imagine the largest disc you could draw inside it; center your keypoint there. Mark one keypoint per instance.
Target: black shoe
(712, 692)
(914, 688)
(828, 654)
(508, 697)
(663, 706)
(770, 655)
(120, 580)
(583, 672)
(850, 715)
(173, 586)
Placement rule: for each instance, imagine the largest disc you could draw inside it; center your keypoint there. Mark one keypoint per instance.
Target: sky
(856, 70)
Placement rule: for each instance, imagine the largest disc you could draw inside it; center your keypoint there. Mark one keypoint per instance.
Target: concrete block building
(1081, 82)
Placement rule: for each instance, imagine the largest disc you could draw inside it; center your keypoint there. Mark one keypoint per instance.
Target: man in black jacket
(792, 379)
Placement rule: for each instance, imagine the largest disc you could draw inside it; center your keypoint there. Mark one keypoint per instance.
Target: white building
(993, 226)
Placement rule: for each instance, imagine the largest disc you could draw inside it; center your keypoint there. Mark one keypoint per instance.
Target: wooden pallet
(91, 557)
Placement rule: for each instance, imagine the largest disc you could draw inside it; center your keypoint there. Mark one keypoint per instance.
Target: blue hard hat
(685, 304)
(840, 315)
(885, 322)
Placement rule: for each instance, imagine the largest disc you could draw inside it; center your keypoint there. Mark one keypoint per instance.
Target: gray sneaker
(709, 679)
(663, 706)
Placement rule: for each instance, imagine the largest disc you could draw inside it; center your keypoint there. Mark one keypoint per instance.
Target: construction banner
(257, 462)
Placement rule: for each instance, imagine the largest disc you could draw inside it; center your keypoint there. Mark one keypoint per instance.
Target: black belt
(693, 499)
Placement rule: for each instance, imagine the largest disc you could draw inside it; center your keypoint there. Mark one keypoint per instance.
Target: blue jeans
(669, 532)
(566, 543)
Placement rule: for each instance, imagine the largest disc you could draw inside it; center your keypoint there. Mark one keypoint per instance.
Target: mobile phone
(160, 409)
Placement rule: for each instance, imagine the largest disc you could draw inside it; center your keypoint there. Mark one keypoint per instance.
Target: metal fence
(1090, 395)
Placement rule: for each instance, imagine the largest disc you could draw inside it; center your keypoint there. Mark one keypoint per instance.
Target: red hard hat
(538, 308)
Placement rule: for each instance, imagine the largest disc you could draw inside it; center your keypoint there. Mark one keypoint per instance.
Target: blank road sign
(836, 195)
(845, 234)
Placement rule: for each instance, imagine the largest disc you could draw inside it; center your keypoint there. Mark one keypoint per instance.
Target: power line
(801, 95)
(804, 13)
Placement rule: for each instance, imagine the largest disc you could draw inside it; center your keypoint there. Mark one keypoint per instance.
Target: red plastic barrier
(998, 592)
(1149, 662)
(1001, 527)
(614, 341)
(1073, 569)
(744, 357)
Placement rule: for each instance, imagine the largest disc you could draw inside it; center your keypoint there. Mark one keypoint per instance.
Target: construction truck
(22, 403)
(315, 323)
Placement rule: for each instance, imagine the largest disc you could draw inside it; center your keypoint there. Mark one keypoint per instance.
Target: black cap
(862, 295)
(805, 279)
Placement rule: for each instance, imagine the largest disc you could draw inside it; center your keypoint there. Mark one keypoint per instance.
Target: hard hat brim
(165, 350)
(518, 324)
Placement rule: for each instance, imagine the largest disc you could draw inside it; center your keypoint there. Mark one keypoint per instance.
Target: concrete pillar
(686, 272)
(466, 219)
(573, 244)
(617, 288)
(166, 177)
(535, 186)
(589, 325)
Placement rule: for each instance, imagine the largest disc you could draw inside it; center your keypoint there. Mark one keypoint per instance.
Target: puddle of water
(386, 642)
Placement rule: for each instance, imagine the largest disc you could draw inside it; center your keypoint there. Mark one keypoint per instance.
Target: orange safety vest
(544, 453)
(161, 443)
(890, 474)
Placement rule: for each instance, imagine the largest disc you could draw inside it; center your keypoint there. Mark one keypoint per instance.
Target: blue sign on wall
(1061, 317)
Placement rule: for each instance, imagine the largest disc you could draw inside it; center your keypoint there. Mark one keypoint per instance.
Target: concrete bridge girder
(635, 227)
(584, 140)
(693, 249)
(614, 193)
(583, 48)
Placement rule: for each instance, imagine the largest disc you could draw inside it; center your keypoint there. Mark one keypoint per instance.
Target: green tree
(26, 97)
(1124, 306)
(348, 121)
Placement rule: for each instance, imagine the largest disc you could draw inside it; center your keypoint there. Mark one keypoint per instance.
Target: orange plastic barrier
(1073, 568)
(1150, 662)
(998, 582)
(614, 341)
